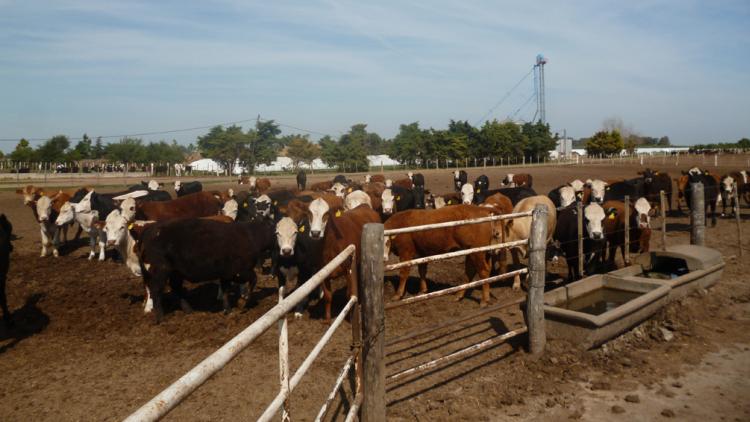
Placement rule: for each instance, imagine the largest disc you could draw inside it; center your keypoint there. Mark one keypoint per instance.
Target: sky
(674, 67)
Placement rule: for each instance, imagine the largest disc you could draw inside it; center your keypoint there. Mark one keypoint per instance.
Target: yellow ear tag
(130, 226)
(479, 190)
(450, 201)
(611, 216)
(398, 198)
(349, 190)
(301, 229)
(41, 192)
(338, 213)
(244, 205)
(276, 202)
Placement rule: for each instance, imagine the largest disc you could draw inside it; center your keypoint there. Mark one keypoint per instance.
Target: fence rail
(165, 401)
(414, 229)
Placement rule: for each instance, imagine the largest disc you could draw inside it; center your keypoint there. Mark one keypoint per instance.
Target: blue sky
(675, 67)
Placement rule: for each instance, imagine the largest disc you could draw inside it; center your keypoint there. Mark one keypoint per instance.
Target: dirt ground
(83, 349)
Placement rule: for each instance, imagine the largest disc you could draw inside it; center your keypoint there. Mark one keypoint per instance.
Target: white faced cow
(567, 196)
(643, 208)
(355, 199)
(388, 201)
(87, 221)
(318, 216)
(388, 183)
(594, 214)
(467, 193)
(598, 188)
(338, 189)
(47, 228)
(286, 235)
(230, 209)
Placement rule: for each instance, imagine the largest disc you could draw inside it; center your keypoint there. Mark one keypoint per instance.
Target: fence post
(373, 324)
(663, 209)
(579, 212)
(626, 246)
(284, 360)
(537, 272)
(737, 217)
(697, 215)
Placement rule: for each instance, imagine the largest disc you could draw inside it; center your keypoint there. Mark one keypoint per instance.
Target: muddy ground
(84, 350)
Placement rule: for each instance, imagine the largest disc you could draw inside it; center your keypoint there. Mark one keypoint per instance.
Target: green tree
(164, 152)
(664, 141)
(23, 152)
(99, 149)
(408, 146)
(83, 150)
(261, 145)
(301, 150)
(225, 146)
(444, 144)
(346, 154)
(743, 143)
(127, 150)
(53, 150)
(604, 142)
(470, 135)
(500, 139)
(539, 139)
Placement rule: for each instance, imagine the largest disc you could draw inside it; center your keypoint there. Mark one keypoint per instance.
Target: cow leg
(155, 285)
(7, 319)
(92, 244)
(225, 284)
(102, 245)
(148, 302)
(403, 275)
(44, 240)
(178, 289)
(483, 267)
(328, 297)
(55, 241)
(422, 278)
(712, 204)
(516, 261)
(78, 233)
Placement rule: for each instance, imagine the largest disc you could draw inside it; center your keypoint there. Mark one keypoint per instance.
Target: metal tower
(539, 88)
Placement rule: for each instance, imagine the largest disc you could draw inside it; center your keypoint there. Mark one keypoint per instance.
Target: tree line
(234, 146)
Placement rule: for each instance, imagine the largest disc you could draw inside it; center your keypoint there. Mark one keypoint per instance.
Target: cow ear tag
(302, 229)
(612, 216)
(338, 213)
(276, 202)
(244, 205)
(349, 190)
(130, 226)
(479, 190)
(450, 201)
(398, 198)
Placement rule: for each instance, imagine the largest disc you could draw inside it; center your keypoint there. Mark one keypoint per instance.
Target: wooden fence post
(373, 324)
(626, 246)
(663, 209)
(737, 217)
(579, 212)
(537, 273)
(697, 215)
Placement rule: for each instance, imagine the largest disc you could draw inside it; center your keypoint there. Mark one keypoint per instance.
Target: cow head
(577, 186)
(598, 188)
(115, 228)
(368, 178)
(456, 175)
(177, 185)
(230, 209)
(648, 175)
(66, 215)
(318, 217)
(410, 175)
(263, 206)
(286, 235)
(153, 185)
(643, 209)
(388, 183)
(439, 202)
(338, 189)
(481, 184)
(727, 185)
(44, 208)
(84, 205)
(30, 193)
(594, 216)
(251, 181)
(388, 201)
(695, 171)
(467, 194)
(355, 199)
(567, 196)
(508, 181)
(127, 209)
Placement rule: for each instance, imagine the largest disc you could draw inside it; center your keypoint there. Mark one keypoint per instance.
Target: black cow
(418, 180)
(514, 194)
(100, 202)
(301, 180)
(403, 199)
(6, 231)
(186, 188)
(594, 242)
(634, 188)
(710, 192)
(655, 182)
(340, 178)
(481, 185)
(459, 179)
(201, 250)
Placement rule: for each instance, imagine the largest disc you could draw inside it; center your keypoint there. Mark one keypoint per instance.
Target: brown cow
(322, 186)
(377, 178)
(199, 204)
(404, 183)
(262, 185)
(340, 232)
(518, 180)
(614, 228)
(499, 202)
(431, 242)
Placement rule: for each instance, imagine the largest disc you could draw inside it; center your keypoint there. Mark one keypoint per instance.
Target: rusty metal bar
(307, 363)
(340, 380)
(429, 330)
(454, 289)
(456, 223)
(474, 348)
(448, 255)
(165, 401)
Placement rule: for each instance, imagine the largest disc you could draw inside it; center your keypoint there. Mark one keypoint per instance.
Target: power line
(525, 103)
(505, 97)
(166, 132)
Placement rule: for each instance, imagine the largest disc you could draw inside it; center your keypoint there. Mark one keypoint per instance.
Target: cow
(6, 235)
(318, 216)
(186, 188)
(499, 202)
(654, 183)
(116, 229)
(355, 199)
(515, 180)
(617, 191)
(460, 177)
(468, 196)
(301, 179)
(376, 178)
(247, 180)
(322, 186)
(46, 216)
(340, 232)
(614, 228)
(482, 184)
(339, 189)
(418, 180)
(598, 190)
(562, 196)
(710, 190)
(261, 185)
(87, 221)
(404, 183)
(408, 246)
(230, 209)
(520, 228)
(198, 204)
(201, 251)
(340, 178)
(395, 199)
(727, 190)
(566, 235)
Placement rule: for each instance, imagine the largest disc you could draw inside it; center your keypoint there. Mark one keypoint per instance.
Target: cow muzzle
(597, 235)
(287, 251)
(315, 234)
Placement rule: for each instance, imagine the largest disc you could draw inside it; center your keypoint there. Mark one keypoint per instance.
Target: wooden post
(663, 212)
(697, 215)
(579, 209)
(373, 324)
(626, 246)
(737, 217)
(284, 360)
(537, 272)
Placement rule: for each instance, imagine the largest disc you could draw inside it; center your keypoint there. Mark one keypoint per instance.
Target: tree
(408, 146)
(664, 141)
(225, 146)
(604, 142)
(301, 150)
(23, 152)
(127, 150)
(444, 145)
(539, 140)
(99, 149)
(346, 154)
(53, 150)
(630, 145)
(504, 139)
(261, 146)
(83, 150)
(468, 133)
(164, 152)
(743, 143)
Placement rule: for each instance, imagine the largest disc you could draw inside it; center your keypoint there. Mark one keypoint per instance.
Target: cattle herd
(226, 236)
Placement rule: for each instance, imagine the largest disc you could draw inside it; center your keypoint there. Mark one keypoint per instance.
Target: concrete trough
(684, 268)
(595, 309)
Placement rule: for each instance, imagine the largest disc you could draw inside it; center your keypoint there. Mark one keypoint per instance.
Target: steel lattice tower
(539, 88)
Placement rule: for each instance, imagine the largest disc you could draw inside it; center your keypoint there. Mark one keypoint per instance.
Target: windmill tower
(541, 112)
